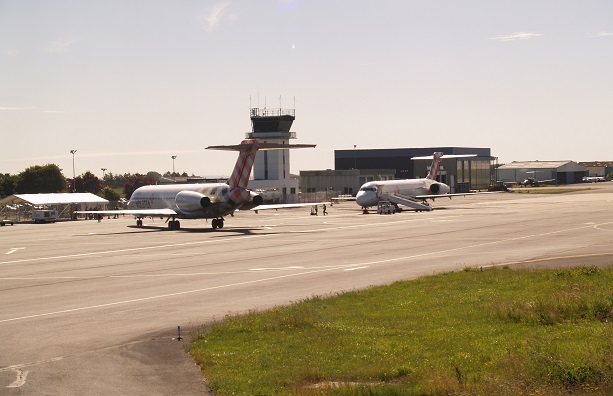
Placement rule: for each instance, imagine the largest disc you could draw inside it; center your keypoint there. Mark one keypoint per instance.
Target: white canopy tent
(63, 202)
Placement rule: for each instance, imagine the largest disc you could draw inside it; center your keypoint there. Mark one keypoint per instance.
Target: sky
(128, 84)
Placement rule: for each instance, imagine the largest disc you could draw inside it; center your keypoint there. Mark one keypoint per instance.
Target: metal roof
(535, 164)
(53, 199)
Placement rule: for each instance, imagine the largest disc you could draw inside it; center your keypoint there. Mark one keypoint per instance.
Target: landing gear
(365, 211)
(217, 223)
(174, 225)
(139, 222)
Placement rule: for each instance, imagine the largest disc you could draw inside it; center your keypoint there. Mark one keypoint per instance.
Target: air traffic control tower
(271, 167)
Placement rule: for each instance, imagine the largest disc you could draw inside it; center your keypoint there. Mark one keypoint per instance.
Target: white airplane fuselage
(372, 192)
(190, 201)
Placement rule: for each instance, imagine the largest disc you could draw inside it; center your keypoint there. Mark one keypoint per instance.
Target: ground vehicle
(44, 216)
(386, 207)
(6, 222)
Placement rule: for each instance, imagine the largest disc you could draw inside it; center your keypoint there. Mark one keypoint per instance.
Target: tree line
(49, 179)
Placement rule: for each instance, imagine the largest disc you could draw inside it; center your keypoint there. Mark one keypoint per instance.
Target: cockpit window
(368, 189)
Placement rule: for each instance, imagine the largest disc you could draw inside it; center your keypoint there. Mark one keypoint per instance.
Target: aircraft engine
(435, 188)
(192, 201)
(256, 200)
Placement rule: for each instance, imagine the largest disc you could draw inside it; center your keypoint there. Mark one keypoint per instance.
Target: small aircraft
(534, 182)
(413, 193)
(205, 200)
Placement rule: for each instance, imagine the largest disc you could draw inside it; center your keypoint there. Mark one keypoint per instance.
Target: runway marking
(20, 380)
(577, 256)
(597, 227)
(173, 245)
(356, 268)
(127, 250)
(23, 365)
(87, 308)
(311, 271)
(13, 250)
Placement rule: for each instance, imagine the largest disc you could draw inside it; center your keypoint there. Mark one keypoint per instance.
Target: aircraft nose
(364, 198)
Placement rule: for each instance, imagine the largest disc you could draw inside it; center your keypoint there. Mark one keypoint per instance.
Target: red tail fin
(244, 164)
(247, 150)
(436, 162)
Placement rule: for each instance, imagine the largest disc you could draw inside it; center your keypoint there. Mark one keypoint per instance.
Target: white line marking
(356, 268)
(325, 269)
(20, 380)
(20, 366)
(131, 249)
(162, 296)
(13, 250)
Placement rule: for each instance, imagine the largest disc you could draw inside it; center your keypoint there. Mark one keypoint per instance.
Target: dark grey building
(460, 174)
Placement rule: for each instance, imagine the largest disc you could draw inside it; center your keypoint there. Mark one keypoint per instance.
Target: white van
(44, 216)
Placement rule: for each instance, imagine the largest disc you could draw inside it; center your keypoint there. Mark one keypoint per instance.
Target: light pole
(74, 186)
(103, 170)
(173, 166)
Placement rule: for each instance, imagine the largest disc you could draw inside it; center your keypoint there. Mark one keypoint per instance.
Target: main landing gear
(217, 223)
(139, 222)
(174, 225)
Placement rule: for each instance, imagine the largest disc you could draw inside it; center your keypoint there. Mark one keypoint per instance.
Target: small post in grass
(179, 331)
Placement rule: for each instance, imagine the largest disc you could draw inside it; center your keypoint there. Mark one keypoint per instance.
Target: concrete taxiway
(93, 308)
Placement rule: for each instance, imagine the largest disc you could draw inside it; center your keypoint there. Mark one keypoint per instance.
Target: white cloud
(213, 16)
(15, 108)
(600, 34)
(61, 46)
(517, 36)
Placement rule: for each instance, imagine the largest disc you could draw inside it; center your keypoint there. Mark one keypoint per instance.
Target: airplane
(205, 200)
(413, 193)
(534, 182)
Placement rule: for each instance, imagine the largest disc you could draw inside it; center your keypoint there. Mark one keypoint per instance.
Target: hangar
(599, 168)
(566, 172)
(461, 174)
(22, 207)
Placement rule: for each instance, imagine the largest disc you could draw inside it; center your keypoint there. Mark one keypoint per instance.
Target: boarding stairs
(406, 200)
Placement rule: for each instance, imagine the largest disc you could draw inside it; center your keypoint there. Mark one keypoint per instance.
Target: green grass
(498, 331)
(546, 190)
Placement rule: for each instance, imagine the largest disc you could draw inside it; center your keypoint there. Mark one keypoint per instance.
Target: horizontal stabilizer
(261, 146)
(133, 212)
(429, 157)
(293, 205)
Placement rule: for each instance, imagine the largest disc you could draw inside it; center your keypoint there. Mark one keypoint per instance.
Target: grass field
(547, 190)
(497, 331)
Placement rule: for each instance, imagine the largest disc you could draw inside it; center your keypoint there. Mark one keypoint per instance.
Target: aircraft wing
(339, 199)
(433, 196)
(133, 212)
(285, 206)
